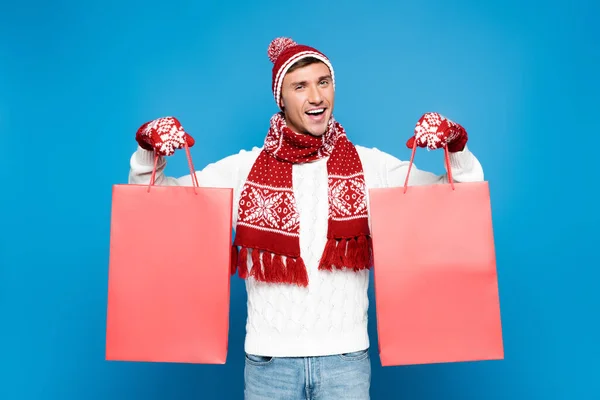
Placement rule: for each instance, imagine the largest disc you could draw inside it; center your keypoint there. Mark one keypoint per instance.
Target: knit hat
(283, 53)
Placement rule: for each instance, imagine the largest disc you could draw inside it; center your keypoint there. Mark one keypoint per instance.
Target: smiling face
(307, 95)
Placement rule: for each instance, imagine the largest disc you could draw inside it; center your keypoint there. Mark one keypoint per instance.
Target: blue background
(77, 79)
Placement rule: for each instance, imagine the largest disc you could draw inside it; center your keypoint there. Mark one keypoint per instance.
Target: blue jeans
(344, 376)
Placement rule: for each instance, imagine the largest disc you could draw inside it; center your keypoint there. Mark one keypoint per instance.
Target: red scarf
(268, 221)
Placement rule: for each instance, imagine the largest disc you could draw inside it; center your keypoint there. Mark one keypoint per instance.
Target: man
(302, 227)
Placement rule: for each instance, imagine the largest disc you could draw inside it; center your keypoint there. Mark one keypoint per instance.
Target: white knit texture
(327, 317)
(330, 315)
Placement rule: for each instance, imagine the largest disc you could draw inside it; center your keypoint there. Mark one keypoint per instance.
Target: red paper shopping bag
(436, 287)
(169, 273)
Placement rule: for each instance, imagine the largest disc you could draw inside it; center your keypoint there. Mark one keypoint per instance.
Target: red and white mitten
(163, 135)
(435, 131)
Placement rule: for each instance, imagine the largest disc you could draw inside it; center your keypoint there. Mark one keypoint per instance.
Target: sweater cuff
(145, 157)
(461, 160)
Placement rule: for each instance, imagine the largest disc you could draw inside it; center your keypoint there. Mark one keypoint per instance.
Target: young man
(302, 227)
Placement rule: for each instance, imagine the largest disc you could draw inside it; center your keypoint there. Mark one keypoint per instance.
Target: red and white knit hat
(283, 53)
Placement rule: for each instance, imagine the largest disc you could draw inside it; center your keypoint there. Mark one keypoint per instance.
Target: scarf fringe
(353, 253)
(243, 263)
(269, 267)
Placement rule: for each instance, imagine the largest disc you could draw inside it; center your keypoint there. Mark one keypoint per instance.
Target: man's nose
(314, 95)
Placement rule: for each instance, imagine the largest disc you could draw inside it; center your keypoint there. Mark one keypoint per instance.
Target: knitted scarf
(268, 223)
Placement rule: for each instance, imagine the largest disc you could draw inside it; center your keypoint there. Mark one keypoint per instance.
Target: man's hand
(436, 131)
(163, 135)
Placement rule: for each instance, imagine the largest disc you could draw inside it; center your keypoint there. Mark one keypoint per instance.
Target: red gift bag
(436, 288)
(169, 273)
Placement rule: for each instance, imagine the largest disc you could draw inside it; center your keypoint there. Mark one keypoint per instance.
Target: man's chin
(317, 130)
(315, 133)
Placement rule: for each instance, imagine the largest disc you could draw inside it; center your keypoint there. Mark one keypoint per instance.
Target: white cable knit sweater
(330, 315)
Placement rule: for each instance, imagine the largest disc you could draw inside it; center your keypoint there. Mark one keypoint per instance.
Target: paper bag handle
(446, 160)
(190, 165)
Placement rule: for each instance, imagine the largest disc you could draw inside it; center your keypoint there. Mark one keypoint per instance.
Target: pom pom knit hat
(283, 53)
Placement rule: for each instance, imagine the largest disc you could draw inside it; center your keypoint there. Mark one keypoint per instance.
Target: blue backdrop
(77, 79)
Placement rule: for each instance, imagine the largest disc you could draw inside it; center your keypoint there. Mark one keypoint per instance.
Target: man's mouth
(315, 113)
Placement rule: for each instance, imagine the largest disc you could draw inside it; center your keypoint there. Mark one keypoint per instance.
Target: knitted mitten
(163, 135)
(436, 131)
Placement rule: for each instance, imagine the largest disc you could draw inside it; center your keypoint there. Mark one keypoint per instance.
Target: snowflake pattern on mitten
(435, 131)
(164, 135)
